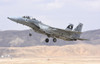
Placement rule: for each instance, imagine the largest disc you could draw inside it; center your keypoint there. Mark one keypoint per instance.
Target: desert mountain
(19, 44)
(16, 38)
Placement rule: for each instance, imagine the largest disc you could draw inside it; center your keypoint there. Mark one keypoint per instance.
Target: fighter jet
(67, 34)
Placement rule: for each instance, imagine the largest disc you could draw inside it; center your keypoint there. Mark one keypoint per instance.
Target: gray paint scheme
(67, 34)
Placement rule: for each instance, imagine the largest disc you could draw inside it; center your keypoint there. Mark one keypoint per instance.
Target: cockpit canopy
(28, 17)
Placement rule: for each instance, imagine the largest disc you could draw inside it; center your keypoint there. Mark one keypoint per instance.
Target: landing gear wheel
(46, 40)
(54, 40)
(30, 34)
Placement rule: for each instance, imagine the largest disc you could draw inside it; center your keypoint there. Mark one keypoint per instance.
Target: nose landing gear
(30, 34)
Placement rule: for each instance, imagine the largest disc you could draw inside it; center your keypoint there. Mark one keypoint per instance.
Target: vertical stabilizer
(78, 29)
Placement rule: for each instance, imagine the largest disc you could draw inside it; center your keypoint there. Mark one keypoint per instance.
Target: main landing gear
(47, 40)
(54, 40)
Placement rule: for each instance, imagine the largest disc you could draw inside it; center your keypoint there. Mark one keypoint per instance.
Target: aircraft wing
(69, 31)
(65, 31)
(61, 32)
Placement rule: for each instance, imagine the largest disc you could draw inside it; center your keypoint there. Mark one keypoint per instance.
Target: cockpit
(28, 17)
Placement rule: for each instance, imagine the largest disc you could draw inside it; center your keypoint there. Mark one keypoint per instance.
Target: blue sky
(56, 13)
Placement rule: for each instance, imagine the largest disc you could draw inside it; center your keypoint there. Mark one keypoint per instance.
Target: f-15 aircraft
(67, 34)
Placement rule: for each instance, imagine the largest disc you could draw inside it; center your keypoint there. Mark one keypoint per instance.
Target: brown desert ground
(55, 60)
(68, 54)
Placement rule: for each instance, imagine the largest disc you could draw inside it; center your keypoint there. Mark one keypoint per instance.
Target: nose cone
(13, 19)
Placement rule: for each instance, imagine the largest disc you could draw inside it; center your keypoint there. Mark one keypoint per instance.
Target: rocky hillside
(22, 39)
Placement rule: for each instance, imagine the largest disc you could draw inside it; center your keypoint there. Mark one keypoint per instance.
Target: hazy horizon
(55, 13)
